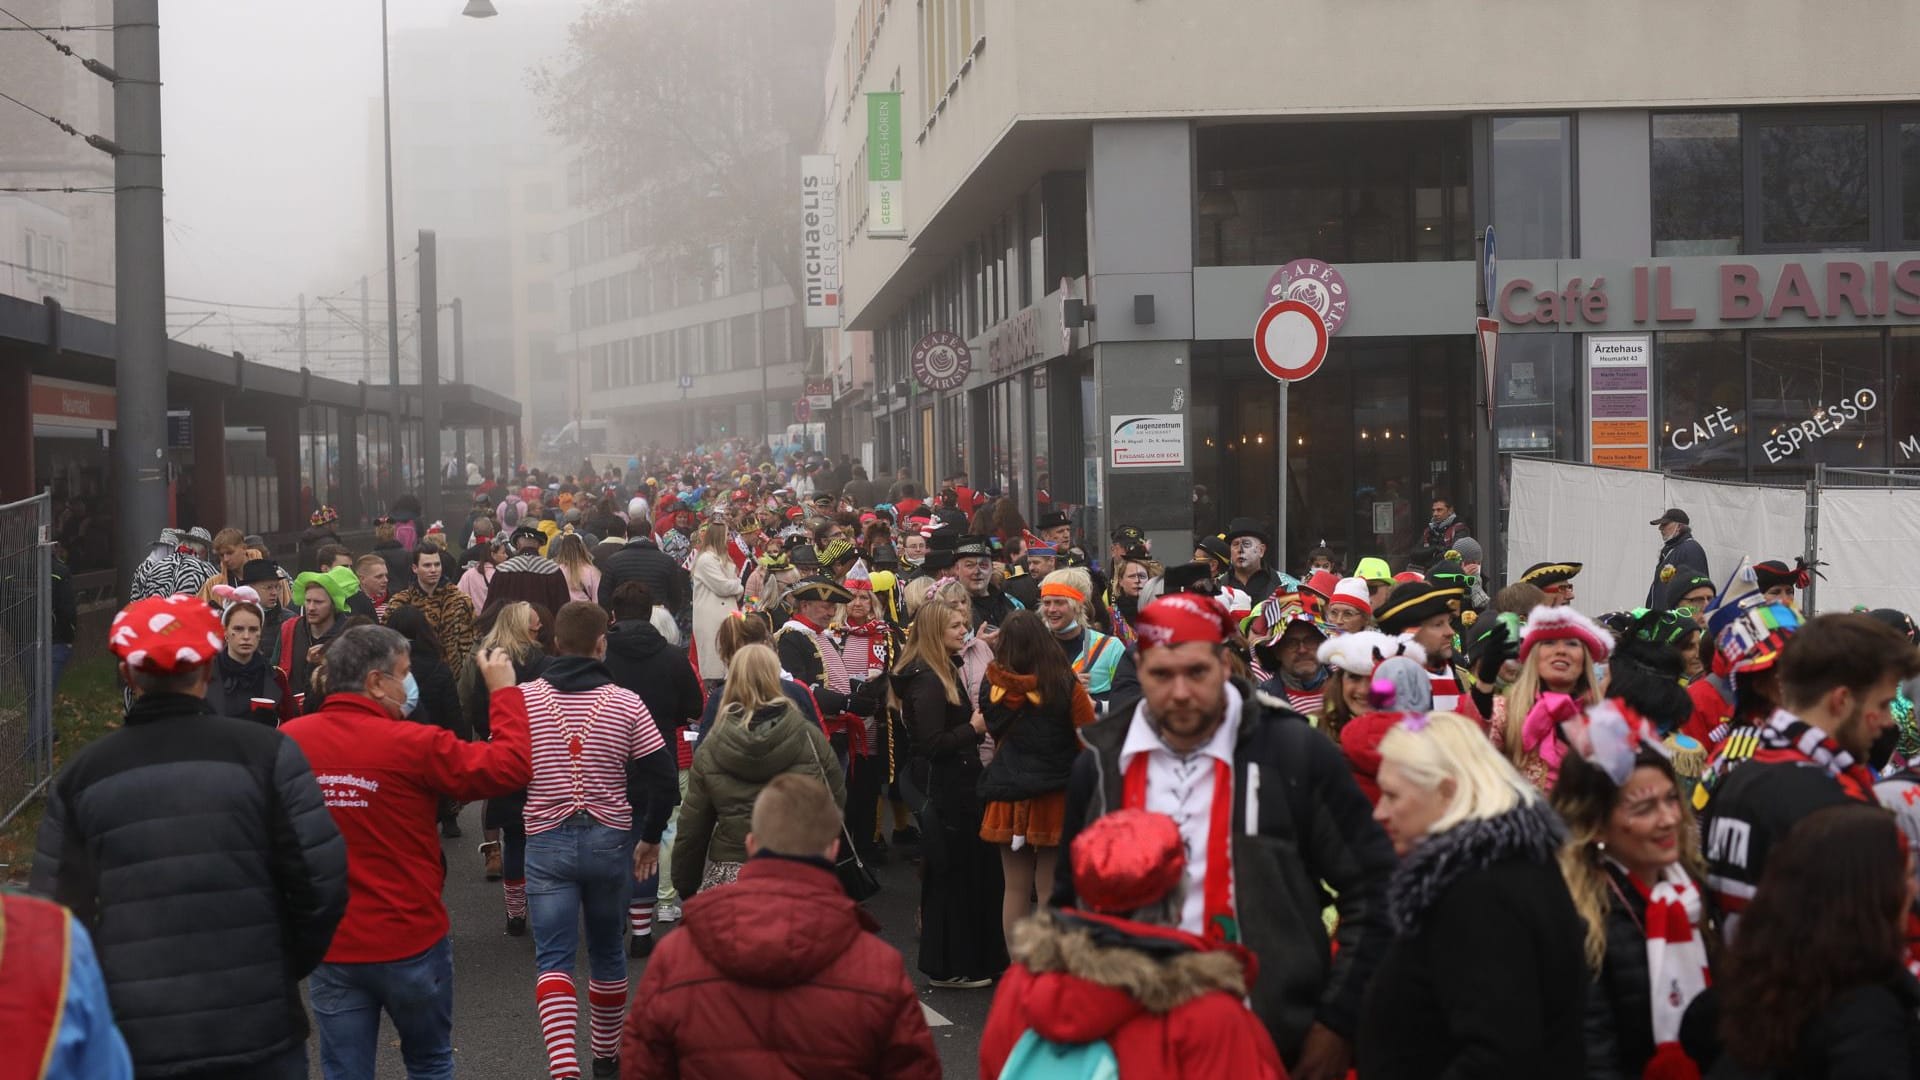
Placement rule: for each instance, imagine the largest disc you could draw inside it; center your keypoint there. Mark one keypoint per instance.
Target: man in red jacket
(784, 945)
(382, 781)
(1119, 978)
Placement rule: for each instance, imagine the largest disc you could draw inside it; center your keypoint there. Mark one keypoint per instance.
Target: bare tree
(694, 113)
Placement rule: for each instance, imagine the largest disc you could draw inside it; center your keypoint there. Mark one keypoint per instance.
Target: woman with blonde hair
(515, 630)
(962, 945)
(1558, 650)
(1485, 975)
(576, 562)
(1632, 863)
(716, 596)
(758, 735)
(977, 652)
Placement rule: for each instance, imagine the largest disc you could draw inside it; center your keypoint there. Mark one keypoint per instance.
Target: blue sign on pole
(1489, 268)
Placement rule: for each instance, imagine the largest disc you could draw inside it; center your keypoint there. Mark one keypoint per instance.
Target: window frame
(1752, 120)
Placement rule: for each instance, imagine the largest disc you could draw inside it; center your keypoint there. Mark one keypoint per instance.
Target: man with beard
(1247, 544)
(324, 607)
(1260, 799)
(973, 565)
(1424, 612)
(1678, 551)
(1444, 528)
(1290, 656)
(1095, 656)
(447, 609)
(1056, 528)
(1838, 677)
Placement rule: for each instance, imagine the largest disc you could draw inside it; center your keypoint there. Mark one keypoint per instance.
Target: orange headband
(1061, 588)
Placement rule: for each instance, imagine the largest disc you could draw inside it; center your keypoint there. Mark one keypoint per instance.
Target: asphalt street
(496, 1034)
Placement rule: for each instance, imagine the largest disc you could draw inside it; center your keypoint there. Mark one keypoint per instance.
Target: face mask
(413, 696)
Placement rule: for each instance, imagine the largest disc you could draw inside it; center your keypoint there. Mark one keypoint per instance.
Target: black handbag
(856, 878)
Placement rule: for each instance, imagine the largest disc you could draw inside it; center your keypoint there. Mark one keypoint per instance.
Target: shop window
(1819, 396)
(1345, 192)
(1698, 206)
(1907, 151)
(1534, 396)
(1533, 186)
(1703, 404)
(1814, 183)
(1904, 399)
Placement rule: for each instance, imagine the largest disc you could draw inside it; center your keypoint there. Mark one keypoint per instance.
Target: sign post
(1290, 341)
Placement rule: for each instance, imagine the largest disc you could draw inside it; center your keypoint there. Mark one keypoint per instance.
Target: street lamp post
(475, 9)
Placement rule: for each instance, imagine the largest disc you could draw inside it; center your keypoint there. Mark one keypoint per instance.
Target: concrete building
(1697, 215)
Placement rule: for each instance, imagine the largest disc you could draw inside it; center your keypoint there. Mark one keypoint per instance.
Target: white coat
(716, 596)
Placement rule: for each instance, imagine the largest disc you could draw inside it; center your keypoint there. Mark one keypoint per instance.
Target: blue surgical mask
(413, 696)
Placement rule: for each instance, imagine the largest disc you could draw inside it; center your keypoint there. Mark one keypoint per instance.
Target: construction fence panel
(26, 652)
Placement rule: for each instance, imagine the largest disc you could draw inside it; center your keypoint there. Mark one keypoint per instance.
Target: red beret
(166, 635)
(1179, 618)
(1126, 861)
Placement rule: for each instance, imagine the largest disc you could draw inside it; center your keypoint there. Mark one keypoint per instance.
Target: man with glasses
(1290, 656)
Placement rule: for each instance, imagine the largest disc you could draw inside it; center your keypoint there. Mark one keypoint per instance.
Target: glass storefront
(1381, 429)
(1768, 405)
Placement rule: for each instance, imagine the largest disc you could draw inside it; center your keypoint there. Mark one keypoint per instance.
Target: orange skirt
(1038, 820)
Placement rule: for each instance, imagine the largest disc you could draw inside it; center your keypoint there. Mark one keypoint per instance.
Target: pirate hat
(1548, 574)
(1414, 602)
(819, 588)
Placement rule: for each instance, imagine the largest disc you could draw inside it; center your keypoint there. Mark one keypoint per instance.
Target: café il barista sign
(1793, 290)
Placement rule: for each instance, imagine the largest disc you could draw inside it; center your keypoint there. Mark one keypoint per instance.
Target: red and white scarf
(1676, 965)
(863, 648)
(1216, 911)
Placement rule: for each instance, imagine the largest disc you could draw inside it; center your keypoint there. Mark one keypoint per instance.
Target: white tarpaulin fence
(1869, 538)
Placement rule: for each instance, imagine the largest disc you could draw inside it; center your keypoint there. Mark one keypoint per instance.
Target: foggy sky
(266, 107)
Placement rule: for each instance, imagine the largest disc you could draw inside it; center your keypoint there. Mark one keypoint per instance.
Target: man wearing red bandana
(1267, 810)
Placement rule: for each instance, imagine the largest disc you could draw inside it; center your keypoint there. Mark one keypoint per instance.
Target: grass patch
(86, 707)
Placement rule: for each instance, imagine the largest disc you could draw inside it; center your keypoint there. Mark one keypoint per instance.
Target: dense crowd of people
(1182, 814)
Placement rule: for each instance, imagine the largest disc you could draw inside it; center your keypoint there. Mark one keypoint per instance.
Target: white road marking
(934, 1019)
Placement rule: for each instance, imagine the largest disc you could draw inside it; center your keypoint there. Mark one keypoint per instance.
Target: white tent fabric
(1598, 517)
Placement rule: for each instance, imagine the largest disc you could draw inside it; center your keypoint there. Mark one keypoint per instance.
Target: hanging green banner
(885, 213)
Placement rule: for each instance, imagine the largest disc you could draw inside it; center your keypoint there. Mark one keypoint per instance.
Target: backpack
(1037, 1058)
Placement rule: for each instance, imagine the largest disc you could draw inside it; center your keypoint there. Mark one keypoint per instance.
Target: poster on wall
(819, 241)
(1619, 400)
(885, 214)
(1157, 440)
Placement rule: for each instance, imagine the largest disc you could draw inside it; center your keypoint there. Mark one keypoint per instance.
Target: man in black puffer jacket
(198, 852)
(662, 676)
(642, 560)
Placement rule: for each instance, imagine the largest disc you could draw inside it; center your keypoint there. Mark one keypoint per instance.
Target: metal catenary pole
(1280, 519)
(430, 478)
(393, 275)
(140, 280)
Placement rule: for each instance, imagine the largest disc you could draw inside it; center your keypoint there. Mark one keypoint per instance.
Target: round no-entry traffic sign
(1290, 340)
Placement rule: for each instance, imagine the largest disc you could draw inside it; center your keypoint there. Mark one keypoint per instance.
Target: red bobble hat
(1126, 861)
(166, 635)
(1180, 618)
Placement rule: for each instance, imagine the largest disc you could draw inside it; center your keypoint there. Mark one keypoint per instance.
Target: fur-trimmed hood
(1531, 832)
(1090, 975)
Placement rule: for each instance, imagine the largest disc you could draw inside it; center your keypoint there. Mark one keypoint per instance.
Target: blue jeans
(416, 992)
(577, 864)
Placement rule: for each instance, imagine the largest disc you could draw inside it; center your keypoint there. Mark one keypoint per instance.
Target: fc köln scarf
(1676, 967)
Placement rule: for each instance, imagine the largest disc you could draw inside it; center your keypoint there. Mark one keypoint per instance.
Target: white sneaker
(960, 982)
(667, 913)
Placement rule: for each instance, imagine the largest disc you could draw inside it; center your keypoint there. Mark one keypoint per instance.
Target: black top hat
(1190, 577)
(1244, 526)
(804, 556)
(258, 570)
(1414, 602)
(819, 588)
(884, 557)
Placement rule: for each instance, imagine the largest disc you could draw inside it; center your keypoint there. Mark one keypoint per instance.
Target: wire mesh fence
(26, 652)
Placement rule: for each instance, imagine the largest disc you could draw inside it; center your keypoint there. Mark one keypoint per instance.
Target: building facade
(1706, 239)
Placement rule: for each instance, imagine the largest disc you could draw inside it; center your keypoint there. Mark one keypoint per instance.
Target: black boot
(516, 926)
(640, 946)
(606, 1067)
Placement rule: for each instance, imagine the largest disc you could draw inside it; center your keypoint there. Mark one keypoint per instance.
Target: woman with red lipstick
(1558, 650)
(1632, 863)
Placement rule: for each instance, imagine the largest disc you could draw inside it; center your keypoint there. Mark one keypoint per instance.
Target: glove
(1496, 646)
(865, 695)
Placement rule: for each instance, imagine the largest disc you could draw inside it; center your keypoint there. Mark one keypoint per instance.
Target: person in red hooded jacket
(1118, 971)
(784, 946)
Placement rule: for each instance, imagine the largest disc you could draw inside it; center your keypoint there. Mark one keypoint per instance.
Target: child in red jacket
(1164, 1003)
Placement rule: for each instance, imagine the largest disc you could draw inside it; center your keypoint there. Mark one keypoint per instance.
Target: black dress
(961, 884)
